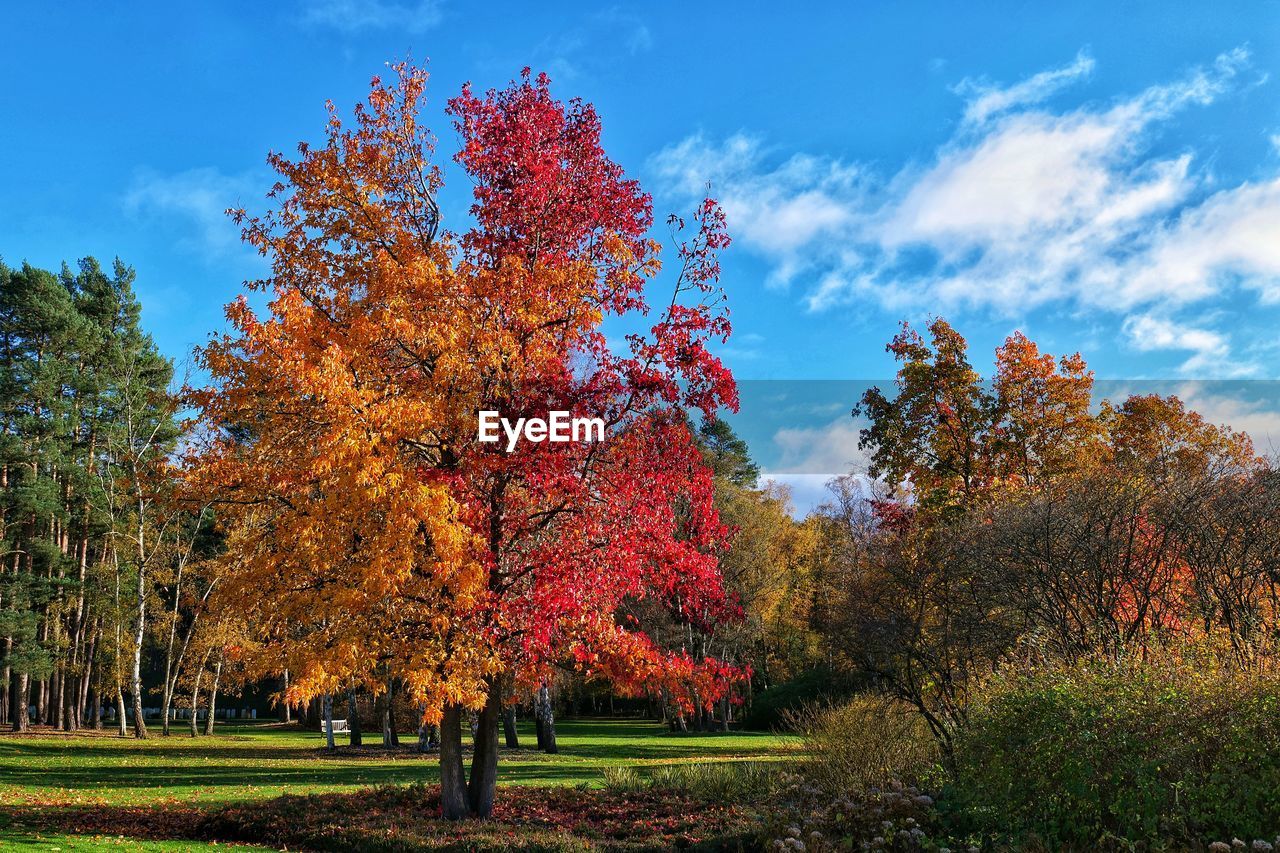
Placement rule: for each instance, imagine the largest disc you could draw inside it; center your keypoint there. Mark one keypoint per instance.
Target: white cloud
(780, 211)
(631, 31)
(567, 52)
(1148, 332)
(198, 200)
(742, 347)
(1021, 208)
(1232, 235)
(807, 491)
(827, 450)
(1249, 407)
(987, 100)
(361, 15)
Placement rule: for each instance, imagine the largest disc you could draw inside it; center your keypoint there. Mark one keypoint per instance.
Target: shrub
(866, 742)
(1167, 753)
(624, 780)
(893, 818)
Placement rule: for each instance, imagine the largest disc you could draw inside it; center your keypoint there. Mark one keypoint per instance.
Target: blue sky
(1103, 176)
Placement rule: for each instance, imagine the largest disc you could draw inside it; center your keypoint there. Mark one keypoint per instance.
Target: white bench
(338, 726)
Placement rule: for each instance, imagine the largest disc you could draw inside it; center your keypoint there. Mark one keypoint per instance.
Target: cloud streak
(354, 16)
(986, 100)
(196, 200)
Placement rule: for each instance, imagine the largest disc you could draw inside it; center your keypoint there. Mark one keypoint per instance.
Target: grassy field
(251, 762)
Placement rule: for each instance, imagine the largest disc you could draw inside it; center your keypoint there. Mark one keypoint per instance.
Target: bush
(869, 741)
(893, 819)
(1165, 754)
(856, 786)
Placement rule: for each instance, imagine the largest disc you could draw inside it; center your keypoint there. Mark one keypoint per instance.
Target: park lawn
(244, 763)
(44, 842)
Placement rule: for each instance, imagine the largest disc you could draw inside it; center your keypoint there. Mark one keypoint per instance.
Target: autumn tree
(369, 535)
(1044, 427)
(767, 567)
(935, 432)
(1023, 520)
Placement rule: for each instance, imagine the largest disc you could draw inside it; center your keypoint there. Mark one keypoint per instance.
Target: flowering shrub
(1170, 752)
(894, 817)
(858, 786)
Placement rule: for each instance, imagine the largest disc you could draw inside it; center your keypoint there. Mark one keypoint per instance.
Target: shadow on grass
(282, 758)
(156, 777)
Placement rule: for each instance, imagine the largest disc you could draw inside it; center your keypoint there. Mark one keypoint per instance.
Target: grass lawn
(243, 763)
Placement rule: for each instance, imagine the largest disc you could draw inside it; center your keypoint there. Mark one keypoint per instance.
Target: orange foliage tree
(370, 535)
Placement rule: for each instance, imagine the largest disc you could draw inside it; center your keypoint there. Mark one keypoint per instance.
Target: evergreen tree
(86, 427)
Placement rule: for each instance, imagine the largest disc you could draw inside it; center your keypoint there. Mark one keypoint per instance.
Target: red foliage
(575, 530)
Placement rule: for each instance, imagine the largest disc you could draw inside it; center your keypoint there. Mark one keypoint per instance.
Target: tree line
(97, 553)
(1016, 523)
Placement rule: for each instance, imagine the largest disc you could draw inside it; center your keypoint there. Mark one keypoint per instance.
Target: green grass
(78, 842)
(248, 762)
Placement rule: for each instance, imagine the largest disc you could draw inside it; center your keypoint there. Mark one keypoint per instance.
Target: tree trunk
(546, 712)
(58, 696)
(213, 697)
(86, 679)
(453, 785)
(353, 719)
(509, 727)
(22, 709)
(95, 704)
(328, 720)
(284, 697)
(428, 734)
(484, 758)
(5, 681)
(384, 717)
(124, 718)
(139, 634)
(166, 703)
(391, 713)
(195, 698)
(172, 666)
